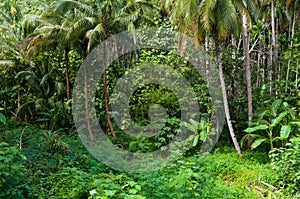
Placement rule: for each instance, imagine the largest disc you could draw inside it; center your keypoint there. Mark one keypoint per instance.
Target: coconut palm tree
(216, 18)
(51, 34)
(96, 21)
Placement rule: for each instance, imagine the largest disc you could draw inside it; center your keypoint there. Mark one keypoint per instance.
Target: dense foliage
(255, 44)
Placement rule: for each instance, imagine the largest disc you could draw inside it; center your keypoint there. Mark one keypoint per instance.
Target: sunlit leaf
(278, 119)
(256, 128)
(2, 118)
(258, 142)
(285, 131)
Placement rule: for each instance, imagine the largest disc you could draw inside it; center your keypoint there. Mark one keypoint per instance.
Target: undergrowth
(66, 170)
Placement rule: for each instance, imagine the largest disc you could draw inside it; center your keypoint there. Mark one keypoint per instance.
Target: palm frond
(207, 9)
(23, 110)
(95, 35)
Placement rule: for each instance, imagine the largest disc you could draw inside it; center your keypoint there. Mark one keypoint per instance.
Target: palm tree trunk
(87, 102)
(105, 92)
(247, 64)
(67, 74)
(248, 69)
(224, 94)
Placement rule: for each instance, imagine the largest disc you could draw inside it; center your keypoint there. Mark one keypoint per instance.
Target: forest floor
(58, 166)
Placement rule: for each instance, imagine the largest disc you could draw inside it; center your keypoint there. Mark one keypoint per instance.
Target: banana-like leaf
(256, 128)
(276, 104)
(2, 118)
(196, 139)
(278, 119)
(258, 142)
(285, 131)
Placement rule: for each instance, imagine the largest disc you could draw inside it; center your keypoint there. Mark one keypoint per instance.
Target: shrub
(12, 182)
(286, 162)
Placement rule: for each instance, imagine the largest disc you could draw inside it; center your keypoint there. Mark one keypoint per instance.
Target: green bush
(12, 181)
(192, 177)
(286, 162)
(75, 183)
(245, 173)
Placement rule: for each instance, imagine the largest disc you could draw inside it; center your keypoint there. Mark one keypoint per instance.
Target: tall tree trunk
(291, 46)
(67, 72)
(259, 63)
(247, 64)
(86, 100)
(297, 74)
(224, 94)
(248, 69)
(233, 57)
(67, 75)
(105, 91)
(274, 42)
(270, 65)
(206, 58)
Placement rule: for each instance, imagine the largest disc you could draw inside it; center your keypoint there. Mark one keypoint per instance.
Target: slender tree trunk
(206, 58)
(224, 94)
(297, 74)
(233, 57)
(86, 99)
(291, 46)
(259, 63)
(67, 72)
(274, 42)
(67, 75)
(270, 72)
(248, 69)
(19, 100)
(247, 64)
(105, 91)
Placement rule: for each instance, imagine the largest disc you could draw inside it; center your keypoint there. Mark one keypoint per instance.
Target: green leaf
(258, 142)
(295, 122)
(256, 128)
(196, 139)
(285, 131)
(132, 191)
(203, 135)
(278, 119)
(2, 118)
(276, 104)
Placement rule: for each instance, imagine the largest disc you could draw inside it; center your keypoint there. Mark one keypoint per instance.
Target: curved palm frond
(95, 35)
(24, 109)
(66, 7)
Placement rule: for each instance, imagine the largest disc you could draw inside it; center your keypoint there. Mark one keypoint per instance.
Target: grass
(219, 173)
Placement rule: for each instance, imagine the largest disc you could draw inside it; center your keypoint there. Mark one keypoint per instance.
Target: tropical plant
(52, 141)
(201, 130)
(44, 86)
(12, 181)
(204, 18)
(2, 117)
(96, 22)
(277, 120)
(56, 116)
(286, 162)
